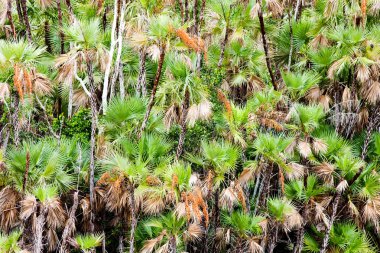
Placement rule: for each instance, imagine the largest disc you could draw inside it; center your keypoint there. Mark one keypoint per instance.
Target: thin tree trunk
(141, 83)
(182, 11)
(298, 5)
(121, 80)
(201, 19)
(9, 14)
(195, 17)
(26, 173)
(273, 239)
(104, 18)
(38, 239)
(110, 57)
(216, 217)
(373, 123)
(301, 231)
(265, 45)
(186, 10)
(133, 220)
(60, 25)
(172, 248)
(71, 97)
(223, 45)
(71, 11)
(90, 73)
(120, 248)
(15, 123)
(154, 89)
(291, 40)
(118, 65)
(47, 36)
(185, 109)
(19, 11)
(326, 238)
(69, 229)
(26, 20)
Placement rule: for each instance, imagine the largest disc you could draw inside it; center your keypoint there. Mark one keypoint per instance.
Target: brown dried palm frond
(346, 98)
(371, 211)
(56, 215)
(17, 77)
(319, 146)
(253, 246)
(296, 171)
(172, 116)
(325, 102)
(227, 105)
(9, 199)
(275, 8)
(320, 213)
(314, 94)
(319, 41)
(153, 203)
(149, 245)
(194, 232)
(201, 111)
(28, 207)
(371, 91)
(342, 186)
(325, 171)
(4, 91)
(193, 42)
(363, 117)
(270, 123)
(246, 175)
(304, 149)
(45, 3)
(228, 198)
(374, 8)
(293, 220)
(41, 84)
(363, 73)
(52, 239)
(80, 98)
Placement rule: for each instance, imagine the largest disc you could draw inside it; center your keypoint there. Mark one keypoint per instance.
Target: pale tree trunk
(185, 109)
(118, 64)
(326, 238)
(110, 57)
(9, 14)
(133, 219)
(265, 45)
(154, 89)
(69, 229)
(141, 83)
(90, 73)
(38, 238)
(26, 20)
(71, 97)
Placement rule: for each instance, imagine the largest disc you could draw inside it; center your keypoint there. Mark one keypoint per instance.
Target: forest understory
(200, 126)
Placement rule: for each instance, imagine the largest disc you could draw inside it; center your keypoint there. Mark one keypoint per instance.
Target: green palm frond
(298, 84)
(88, 242)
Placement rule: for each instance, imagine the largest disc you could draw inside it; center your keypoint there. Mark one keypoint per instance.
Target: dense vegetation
(189, 126)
